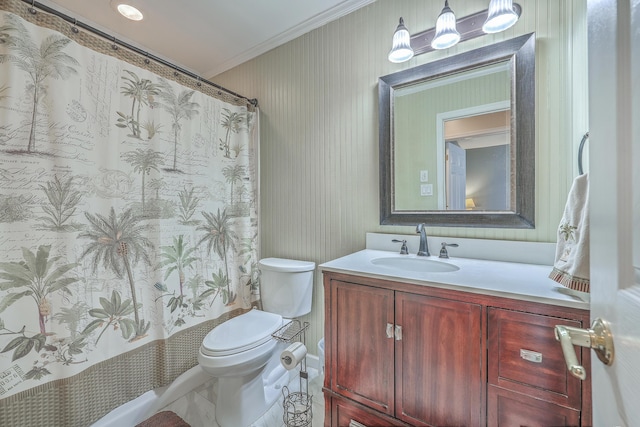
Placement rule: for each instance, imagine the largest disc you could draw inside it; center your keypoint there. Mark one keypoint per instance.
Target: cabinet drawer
(345, 413)
(525, 356)
(507, 408)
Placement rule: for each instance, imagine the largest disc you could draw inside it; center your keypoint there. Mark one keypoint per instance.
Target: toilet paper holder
(293, 355)
(297, 405)
(289, 332)
(297, 408)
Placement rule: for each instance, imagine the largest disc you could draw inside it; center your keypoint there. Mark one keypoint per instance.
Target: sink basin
(415, 264)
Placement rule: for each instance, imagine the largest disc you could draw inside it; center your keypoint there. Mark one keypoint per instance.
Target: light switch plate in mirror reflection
(426, 190)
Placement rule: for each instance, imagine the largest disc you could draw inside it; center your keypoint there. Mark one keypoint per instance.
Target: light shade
(469, 203)
(401, 48)
(446, 33)
(500, 16)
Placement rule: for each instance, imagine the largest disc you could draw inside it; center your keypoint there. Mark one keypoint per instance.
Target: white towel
(571, 267)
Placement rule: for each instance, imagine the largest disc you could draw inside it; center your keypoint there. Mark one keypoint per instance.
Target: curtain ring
(32, 9)
(74, 28)
(146, 60)
(175, 74)
(199, 82)
(114, 46)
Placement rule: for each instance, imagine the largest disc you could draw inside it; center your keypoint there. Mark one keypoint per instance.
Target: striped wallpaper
(319, 125)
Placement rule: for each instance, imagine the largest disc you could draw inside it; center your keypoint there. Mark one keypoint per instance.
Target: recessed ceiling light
(129, 12)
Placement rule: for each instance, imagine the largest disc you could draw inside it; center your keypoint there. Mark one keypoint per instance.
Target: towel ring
(580, 148)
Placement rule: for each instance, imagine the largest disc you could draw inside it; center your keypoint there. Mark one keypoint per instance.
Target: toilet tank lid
(286, 265)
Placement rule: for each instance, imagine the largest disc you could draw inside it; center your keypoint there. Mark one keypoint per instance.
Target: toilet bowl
(238, 352)
(243, 355)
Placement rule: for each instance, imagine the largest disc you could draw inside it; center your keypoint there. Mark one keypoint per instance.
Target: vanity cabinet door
(439, 363)
(362, 344)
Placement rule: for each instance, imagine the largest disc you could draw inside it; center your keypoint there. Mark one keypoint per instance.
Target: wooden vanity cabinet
(403, 354)
(417, 358)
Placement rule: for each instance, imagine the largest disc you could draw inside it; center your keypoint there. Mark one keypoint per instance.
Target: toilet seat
(241, 333)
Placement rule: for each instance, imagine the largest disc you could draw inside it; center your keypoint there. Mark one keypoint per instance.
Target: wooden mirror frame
(520, 52)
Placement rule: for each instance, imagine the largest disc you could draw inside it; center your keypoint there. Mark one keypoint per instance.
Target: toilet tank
(286, 286)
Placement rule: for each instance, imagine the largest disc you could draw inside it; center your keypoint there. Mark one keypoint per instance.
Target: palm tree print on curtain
(234, 175)
(118, 243)
(143, 161)
(181, 108)
(114, 234)
(141, 92)
(40, 62)
(232, 122)
(63, 200)
(38, 277)
(177, 258)
(220, 237)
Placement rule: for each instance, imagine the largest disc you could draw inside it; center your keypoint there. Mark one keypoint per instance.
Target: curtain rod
(34, 4)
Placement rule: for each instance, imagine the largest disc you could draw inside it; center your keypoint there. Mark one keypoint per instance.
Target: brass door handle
(598, 337)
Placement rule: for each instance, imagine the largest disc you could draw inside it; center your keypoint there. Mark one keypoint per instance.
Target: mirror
(457, 139)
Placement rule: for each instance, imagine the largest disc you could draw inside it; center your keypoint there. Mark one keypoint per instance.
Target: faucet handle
(403, 248)
(443, 250)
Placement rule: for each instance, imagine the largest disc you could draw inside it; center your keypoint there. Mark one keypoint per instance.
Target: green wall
(319, 125)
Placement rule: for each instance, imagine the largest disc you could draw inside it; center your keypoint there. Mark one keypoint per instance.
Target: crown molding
(311, 24)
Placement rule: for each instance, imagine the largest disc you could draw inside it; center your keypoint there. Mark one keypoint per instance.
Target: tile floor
(198, 407)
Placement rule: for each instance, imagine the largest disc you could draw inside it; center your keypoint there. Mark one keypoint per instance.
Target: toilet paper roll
(293, 355)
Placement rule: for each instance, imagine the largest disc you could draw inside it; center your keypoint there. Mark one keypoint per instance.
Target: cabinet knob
(389, 330)
(398, 332)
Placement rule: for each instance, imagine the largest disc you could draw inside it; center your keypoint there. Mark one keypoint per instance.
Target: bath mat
(164, 419)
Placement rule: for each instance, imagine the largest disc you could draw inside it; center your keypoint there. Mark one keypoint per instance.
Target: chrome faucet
(423, 250)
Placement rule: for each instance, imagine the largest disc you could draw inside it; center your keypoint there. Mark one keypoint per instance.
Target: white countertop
(527, 282)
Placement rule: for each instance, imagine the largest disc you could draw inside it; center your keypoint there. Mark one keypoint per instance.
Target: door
(614, 144)
(456, 165)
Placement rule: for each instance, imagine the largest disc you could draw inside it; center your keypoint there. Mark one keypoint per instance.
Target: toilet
(241, 352)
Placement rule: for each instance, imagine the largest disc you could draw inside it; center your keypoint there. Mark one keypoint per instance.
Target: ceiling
(207, 37)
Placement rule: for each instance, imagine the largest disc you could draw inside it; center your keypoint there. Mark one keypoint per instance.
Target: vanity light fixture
(446, 33)
(502, 14)
(401, 48)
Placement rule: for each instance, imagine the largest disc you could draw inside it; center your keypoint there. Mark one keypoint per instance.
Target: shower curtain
(128, 220)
